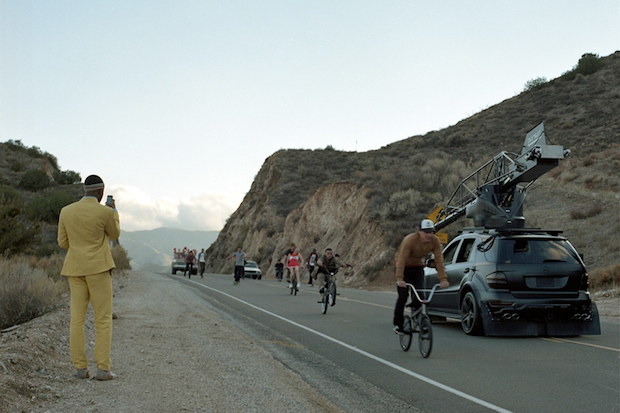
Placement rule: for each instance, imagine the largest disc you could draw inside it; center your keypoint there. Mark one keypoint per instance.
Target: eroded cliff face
(335, 216)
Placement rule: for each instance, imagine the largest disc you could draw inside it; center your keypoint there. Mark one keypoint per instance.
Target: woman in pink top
(293, 262)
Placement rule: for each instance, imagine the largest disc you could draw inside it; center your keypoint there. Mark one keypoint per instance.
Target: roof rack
(509, 231)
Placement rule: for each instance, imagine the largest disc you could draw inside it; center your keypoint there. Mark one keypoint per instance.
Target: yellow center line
(563, 340)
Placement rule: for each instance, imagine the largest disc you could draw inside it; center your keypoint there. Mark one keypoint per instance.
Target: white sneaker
(290, 285)
(298, 286)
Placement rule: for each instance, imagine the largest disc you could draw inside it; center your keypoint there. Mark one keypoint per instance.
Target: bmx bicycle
(294, 281)
(418, 322)
(328, 297)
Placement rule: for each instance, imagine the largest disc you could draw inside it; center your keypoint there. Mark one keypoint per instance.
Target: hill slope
(361, 204)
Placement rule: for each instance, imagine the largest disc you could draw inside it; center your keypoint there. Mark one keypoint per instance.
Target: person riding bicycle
(326, 264)
(279, 270)
(410, 267)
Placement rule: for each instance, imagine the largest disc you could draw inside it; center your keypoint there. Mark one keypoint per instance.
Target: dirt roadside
(170, 354)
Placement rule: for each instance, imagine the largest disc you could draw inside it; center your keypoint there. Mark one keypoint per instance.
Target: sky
(177, 104)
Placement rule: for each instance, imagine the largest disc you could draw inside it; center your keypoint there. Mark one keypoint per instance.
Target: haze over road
(352, 349)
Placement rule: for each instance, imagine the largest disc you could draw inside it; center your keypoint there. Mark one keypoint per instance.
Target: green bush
(401, 204)
(66, 177)
(16, 234)
(34, 180)
(48, 208)
(535, 84)
(588, 64)
(18, 166)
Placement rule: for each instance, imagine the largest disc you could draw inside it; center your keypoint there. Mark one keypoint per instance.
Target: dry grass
(26, 290)
(31, 286)
(605, 279)
(121, 259)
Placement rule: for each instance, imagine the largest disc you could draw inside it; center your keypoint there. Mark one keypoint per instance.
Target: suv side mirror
(430, 263)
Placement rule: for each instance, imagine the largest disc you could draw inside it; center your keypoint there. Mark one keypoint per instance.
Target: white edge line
(366, 354)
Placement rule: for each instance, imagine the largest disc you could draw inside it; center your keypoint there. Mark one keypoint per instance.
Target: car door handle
(466, 270)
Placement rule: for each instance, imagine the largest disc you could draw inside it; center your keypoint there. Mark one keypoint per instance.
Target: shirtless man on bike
(324, 265)
(410, 267)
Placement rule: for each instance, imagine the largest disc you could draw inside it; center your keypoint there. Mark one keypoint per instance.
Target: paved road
(354, 343)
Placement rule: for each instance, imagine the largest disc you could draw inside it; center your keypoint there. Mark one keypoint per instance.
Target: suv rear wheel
(471, 320)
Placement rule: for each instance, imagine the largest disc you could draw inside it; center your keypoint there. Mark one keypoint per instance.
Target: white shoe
(290, 286)
(298, 286)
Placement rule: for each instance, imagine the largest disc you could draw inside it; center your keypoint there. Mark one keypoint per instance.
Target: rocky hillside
(33, 189)
(361, 204)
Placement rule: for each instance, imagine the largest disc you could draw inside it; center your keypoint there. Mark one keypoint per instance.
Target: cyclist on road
(293, 263)
(324, 265)
(410, 267)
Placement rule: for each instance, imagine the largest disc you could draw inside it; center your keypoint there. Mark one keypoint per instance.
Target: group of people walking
(192, 259)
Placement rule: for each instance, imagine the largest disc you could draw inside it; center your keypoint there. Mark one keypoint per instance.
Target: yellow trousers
(97, 289)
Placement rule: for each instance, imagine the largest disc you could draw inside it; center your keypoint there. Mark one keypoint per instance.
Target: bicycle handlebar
(430, 296)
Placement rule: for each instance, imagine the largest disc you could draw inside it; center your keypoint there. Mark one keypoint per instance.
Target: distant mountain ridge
(154, 247)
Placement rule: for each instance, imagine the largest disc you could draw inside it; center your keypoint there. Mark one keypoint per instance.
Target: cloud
(203, 211)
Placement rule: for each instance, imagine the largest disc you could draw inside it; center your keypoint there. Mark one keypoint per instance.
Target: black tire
(405, 339)
(471, 318)
(174, 272)
(425, 336)
(324, 303)
(332, 293)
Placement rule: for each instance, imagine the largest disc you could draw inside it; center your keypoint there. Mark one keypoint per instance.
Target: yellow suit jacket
(85, 229)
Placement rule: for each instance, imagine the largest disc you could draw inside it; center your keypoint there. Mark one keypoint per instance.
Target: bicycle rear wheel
(405, 339)
(425, 335)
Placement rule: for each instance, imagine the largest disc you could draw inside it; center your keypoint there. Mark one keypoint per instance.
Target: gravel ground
(173, 353)
(170, 356)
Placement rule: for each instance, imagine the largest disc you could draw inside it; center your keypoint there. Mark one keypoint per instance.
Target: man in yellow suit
(85, 229)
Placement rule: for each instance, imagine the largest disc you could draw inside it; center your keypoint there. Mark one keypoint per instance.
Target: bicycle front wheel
(332, 293)
(405, 339)
(324, 303)
(425, 336)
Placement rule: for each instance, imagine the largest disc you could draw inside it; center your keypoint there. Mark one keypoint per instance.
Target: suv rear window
(535, 251)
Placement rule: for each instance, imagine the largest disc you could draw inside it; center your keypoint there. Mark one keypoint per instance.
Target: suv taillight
(497, 280)
(584, 282)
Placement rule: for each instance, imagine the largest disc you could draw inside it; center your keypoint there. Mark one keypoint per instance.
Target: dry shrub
(593, 211)
(607, 278)
(121, 259)
(26, 292)
(52, 265)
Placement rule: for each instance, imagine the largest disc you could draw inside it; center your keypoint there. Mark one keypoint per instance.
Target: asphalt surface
(352, 355)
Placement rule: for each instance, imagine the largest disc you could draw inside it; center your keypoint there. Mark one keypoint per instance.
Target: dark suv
(511, 282)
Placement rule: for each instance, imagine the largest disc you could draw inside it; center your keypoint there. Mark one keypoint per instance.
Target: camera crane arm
(494, 194)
